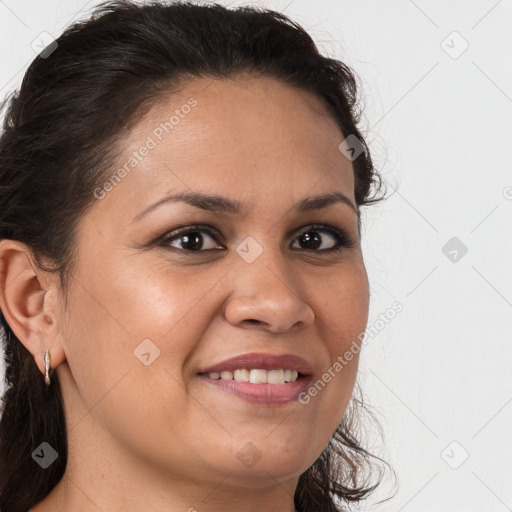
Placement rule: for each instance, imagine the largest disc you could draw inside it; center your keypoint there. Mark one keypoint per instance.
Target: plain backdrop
(437, 83)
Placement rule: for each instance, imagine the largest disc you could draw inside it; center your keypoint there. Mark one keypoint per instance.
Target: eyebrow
(219, 204)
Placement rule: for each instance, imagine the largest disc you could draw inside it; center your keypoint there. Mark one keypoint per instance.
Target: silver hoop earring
(47, 368)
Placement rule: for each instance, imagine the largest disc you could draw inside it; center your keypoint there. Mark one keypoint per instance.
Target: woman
(181, 269)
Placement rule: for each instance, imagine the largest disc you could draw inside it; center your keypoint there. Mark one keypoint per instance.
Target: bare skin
(157, 437)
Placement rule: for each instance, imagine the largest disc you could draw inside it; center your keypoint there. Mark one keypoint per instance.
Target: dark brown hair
(59, 138)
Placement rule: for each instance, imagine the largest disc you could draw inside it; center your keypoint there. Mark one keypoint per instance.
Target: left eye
(311, 237)
(192, 239)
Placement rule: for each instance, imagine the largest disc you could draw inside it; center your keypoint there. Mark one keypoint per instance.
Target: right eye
(190, 238)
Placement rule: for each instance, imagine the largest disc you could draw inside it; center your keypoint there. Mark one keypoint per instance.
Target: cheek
(144, 323)
(126, 348)
(343, 321)
(344, 310)
(160, 302)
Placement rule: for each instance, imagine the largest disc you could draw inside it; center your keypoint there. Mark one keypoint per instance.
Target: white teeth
(291, 375)
(257, 376)
(275, 376)
(241, 375)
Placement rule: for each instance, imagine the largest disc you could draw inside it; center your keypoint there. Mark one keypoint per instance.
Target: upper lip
(262, 361)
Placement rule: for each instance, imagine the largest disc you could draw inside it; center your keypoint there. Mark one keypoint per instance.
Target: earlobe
(26, 303)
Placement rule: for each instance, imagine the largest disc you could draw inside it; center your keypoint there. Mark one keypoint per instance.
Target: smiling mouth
(257, 376)
(268, 388)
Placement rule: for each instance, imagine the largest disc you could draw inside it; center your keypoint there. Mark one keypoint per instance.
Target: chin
(270, 472)
(255, 464)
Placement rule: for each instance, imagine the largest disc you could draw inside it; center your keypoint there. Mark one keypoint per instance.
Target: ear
(28, 300)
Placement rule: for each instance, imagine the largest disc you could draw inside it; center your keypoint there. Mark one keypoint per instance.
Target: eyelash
(343, 241)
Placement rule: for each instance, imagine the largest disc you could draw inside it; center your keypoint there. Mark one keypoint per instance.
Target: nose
(267, 298)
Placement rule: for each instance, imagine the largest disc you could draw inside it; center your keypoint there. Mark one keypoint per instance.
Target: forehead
(252, 138)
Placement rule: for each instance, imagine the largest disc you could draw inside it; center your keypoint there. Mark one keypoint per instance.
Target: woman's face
(148, 320)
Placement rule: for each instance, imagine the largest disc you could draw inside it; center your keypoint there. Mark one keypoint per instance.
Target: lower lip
(264, 394)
